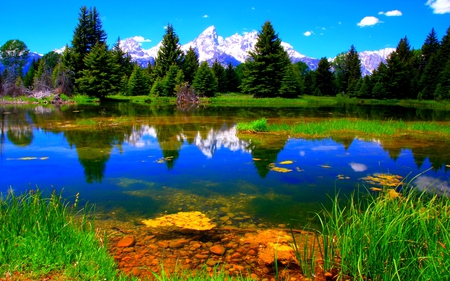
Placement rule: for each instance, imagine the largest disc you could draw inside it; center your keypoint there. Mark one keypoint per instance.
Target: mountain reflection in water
(164, 160)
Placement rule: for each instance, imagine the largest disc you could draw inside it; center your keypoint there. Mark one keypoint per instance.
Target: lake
(138, 161)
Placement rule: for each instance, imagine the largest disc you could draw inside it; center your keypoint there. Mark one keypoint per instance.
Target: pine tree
(352, 72)
(219, 72)
(29, 76)
(205, 83)
(138, 82)
(290, 86)
(365, 91)
(99, 78)
(123, 60)
(232, 79)
(429, 48)
(170, 81)
(190, 65)
(86, 35)
(380, 78)
(323, 77)
(442, 91)
(169, 53)
(265, 69)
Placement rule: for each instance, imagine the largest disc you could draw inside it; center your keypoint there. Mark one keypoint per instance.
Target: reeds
(385, 238)
(48, 236)
(328, 127)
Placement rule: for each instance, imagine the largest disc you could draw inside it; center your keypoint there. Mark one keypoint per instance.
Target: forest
(88, 66)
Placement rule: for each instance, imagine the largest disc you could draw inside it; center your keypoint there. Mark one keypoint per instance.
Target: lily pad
(280, 170)
(287, 162)
(256, 159)
(27, 158)
(325, 166)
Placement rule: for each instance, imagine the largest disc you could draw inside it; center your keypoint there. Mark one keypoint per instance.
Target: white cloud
(141, 39)
(368, 21)
(308, 33)
(358, 167)
(253, 8)
(393, 13)
(439, 6)
(205, 16)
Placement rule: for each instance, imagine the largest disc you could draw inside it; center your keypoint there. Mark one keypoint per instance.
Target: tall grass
(385, 238)
(328, 127)
(45, 236)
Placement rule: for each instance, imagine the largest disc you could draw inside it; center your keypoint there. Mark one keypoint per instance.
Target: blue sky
(315, 28)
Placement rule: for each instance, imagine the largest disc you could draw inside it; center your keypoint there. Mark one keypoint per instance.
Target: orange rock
(217, 249)
(127, 241)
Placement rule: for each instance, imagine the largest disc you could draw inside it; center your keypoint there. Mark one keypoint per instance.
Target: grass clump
(385, 237)
(259, 125)
(48, 237)
(329, 127)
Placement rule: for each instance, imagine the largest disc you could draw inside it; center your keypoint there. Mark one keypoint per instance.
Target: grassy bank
(390, 236)
(44, 237)
(329, 127)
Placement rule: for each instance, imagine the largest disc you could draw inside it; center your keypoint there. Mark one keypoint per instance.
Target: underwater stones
(217, 250)
(127, 241)
(283, 252)
(184, 220)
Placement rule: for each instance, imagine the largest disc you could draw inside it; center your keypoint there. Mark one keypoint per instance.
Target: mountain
(210, 46)
(234, 49)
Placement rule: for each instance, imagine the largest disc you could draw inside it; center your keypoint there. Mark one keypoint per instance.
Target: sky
(320, 28)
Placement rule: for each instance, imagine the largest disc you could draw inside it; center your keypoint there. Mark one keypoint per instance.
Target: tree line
(89, 67)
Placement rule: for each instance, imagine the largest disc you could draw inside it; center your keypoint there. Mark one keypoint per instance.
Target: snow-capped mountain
(371, 59)
(234, 49)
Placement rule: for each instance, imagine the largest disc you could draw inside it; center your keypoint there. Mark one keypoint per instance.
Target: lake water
(166, 160)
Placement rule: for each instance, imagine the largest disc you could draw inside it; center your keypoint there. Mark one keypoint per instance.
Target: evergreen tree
(352, 72)
(205, 83)
(63, 77)
(232, 79)
(365, 91)
(442, 91)
(170, 81)
(380, 78)
(338, 65)
(308, 84)
(138, 82)
(323, 78)
(99, 78)
(180, 80)
(219, 72)
(429, 48)
(29, 76)
(429, 79)
(265, 69)
(169, 53)
(86, 35)
(123, 60)
(290, 86)
(157, 88)
(190, 65)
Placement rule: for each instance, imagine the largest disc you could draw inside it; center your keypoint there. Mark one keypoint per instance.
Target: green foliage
(157, 88)
(383, 236)
(169, 53)
(290, 85)
(323, 79)
(259, 125)
(13, 55)
(29, 76)
(138, 82)
(265, 69)
(232, 79)
(205, 83)
(169, 82)
(50, 236)
(352, 72)
(190, 65)
(219, 72)
(99, 78)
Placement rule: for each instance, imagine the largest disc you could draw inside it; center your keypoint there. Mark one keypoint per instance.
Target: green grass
(86, 122)
(329, 127)
(48, 237)
(384, 238)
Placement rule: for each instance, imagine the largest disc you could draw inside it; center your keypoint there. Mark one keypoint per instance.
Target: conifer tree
(352, 72)
(442, 91)
(323, 78)
(429, 48)
(99, 78)
(138, 82)
(380, 78)
(123, 60)
(290, 86)
(190, 65)
(13, 55)
(170, 81)
(169, 53)
(219, 72)
(29, 76)
(365, 91)
(264, 70)
(232, 79)
(205, 83)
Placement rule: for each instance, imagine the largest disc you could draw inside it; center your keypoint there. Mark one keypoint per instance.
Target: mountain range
(234, 49)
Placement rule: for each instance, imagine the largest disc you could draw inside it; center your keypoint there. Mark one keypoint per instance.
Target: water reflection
(166, 160)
